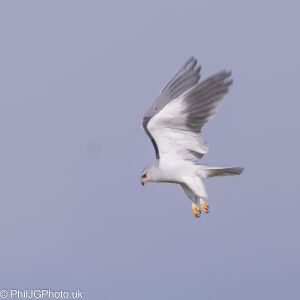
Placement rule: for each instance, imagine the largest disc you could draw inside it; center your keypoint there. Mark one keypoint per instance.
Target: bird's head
(149, 173)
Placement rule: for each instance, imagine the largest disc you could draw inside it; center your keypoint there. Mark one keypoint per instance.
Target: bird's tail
(207, 171)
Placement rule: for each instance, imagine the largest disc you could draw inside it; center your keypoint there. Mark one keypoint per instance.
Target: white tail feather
(207, 171)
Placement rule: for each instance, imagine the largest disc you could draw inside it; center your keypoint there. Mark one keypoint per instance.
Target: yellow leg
(204, 205)
(196, 210)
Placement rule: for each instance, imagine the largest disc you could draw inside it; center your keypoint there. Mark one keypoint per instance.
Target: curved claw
(204, 206)
(196, 210)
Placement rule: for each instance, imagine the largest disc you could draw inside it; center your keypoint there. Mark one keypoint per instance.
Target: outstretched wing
(186, 77)
(174, 125)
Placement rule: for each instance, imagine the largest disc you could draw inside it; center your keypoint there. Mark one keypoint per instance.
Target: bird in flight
(174, 122)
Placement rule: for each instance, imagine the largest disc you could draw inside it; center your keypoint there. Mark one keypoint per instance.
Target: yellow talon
(204, 205)
(196, 210)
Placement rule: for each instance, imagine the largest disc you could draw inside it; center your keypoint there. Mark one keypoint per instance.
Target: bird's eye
(144, 176)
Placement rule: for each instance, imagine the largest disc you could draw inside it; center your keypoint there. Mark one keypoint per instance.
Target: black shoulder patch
(145, 123)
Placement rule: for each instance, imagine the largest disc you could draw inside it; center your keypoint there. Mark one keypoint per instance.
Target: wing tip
(191, 63)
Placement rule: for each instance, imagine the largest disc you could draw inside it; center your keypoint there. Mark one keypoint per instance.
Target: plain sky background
(76, 79)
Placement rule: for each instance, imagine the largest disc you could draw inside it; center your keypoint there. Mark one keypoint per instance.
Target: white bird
(174, 122)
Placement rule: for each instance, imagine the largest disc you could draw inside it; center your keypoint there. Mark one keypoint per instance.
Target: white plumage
(174, 122)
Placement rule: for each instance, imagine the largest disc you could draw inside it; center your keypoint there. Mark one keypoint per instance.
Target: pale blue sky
(76, 78)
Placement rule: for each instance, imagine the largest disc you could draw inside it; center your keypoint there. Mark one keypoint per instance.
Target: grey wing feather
(203, 100)
(184, 79)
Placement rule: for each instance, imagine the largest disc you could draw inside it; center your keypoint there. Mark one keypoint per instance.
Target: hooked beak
(144, 180)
